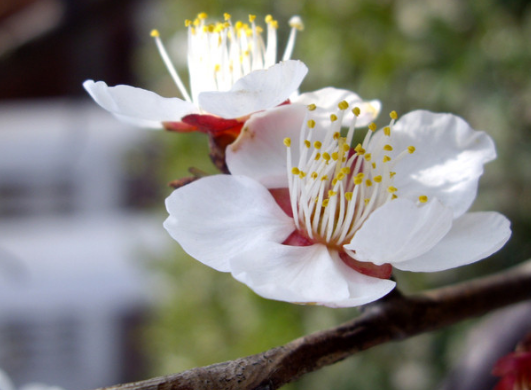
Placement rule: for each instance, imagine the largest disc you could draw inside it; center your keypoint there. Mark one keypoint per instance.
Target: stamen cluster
(221, 53)
(334, 187)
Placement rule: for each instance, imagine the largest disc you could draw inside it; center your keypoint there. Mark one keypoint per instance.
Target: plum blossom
(233, 73)
(307, 216)
(6, 384)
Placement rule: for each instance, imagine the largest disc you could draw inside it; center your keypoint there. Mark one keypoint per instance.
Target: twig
(395, 317)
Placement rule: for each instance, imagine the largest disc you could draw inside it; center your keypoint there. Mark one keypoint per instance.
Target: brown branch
(395, 317)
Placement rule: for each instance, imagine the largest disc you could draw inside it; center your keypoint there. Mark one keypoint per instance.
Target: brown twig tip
(394, 318)
(197, 174)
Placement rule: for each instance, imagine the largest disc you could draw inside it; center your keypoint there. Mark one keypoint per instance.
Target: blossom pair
(307, 214)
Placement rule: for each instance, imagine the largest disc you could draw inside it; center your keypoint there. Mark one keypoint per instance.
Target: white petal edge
(310, 274)
(329, 97)
(138, 106)
(474, 236)
(219, 217)
(400, 230)
(257, 91)
(448, 160)
(259, 152)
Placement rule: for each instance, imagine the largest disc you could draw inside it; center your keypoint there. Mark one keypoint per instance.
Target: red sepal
(383, 271)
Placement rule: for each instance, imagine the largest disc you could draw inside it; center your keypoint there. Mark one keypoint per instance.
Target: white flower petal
(473, 237)
(138, 106)
(218, 217)
(448, 160)
(290, 273)
(328, 99)
(309, 274)
(257, 91)
(400, 230)
(259, 152)
(362, 289)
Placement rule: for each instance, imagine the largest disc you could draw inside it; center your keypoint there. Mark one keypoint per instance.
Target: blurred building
(74, 182)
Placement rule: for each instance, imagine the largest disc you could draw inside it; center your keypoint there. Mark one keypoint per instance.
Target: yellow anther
(217, 68)
(368, 183)
(411, 149)
(377, 179)
(296, 22)
(307, 144)
(387, 131)
(238, 25)
(358, 180)
(274, 24)
(348, 195)
(360, 175)
(302, 175)
(391, 189)
(268, 19)
(196, 22)
(317, 156)
(314, 175)
(252, 18)
(155, 33)
(366, 201)
(343, 105)
(324, 178)
(334, 182)
(373, 165)
(211, 28)
(392, 174)
(389, 148)
(202, 15)
(393, 115)
(423, 199)
(287, 141)
(331, 193)
(335, 156)
(372, 126)
(346, 148)
(325, 202)
(295, 170)
(386, 159)
(394, 196)
(367, 156)
(340, 176)
(356, 111)
(317, 144)
(337, 135)
(359, 150)
(333, 117)
(226, 16)
(345, 170)
(312, 107)
(187, 23)
(326, 156)
(311, 123)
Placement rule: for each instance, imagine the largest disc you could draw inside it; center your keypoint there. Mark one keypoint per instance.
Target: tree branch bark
(395, 317)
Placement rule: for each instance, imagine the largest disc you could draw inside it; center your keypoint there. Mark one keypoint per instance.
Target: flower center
(335, 187)
(221, 53)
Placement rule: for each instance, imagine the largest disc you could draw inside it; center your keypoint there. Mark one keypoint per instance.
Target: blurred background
(93, 292)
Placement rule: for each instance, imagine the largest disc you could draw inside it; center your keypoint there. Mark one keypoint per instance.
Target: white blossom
(309, 217)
